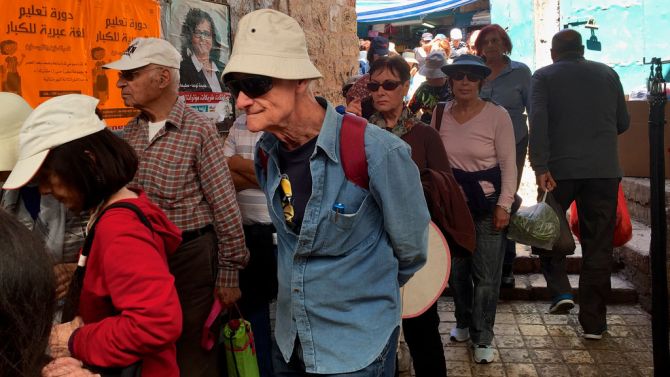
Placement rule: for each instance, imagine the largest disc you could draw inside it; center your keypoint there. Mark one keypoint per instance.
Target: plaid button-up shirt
(184, 172)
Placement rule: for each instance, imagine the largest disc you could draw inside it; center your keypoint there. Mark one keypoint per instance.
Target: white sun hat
(270, 43)
(55, 122)
(15, 111)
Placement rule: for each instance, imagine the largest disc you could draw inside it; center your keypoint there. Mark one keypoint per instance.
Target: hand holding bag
(241, 359)
(537, 225)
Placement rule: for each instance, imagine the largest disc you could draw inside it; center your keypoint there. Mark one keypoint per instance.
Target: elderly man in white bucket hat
(345, 244)
(182, 169)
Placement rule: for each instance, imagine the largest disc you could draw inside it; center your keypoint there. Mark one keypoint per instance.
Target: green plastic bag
(536, 225)
(240, 349)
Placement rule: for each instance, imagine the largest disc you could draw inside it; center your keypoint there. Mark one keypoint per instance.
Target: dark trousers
(510, 246)
(596, 206)
(194, 268)
(425, 344)
(258, 283)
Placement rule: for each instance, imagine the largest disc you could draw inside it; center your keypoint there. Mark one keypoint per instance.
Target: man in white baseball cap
(344, 248)
(458, 47)
(183, 170)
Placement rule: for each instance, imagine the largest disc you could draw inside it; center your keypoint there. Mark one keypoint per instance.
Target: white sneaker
(593, 336)
(460, 335)
(483, 354)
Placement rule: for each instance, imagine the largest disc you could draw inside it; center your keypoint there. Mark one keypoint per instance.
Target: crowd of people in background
(133, 240)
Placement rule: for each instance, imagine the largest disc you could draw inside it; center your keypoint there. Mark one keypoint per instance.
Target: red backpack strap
(352, 150)
(439, 112)
(263, 158)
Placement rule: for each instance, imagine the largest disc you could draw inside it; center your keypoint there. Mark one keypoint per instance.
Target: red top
(128, 301)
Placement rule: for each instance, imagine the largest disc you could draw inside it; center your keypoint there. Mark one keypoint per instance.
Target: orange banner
(50, 50)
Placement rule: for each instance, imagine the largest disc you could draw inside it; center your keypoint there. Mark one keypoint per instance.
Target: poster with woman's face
(199, 30)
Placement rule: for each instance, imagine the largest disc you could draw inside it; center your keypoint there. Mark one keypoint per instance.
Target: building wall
(330, 29)
(629, 30)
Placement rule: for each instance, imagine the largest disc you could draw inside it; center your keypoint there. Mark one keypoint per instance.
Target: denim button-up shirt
(339, 278)
(510, 90)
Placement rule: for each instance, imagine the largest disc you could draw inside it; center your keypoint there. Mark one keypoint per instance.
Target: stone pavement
(531, 342)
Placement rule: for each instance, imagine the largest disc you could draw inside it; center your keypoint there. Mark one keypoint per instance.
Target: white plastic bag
(536, 225)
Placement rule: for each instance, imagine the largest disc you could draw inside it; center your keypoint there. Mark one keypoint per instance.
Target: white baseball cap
(55, 122)
(272, 44)
(15, 111)
(456, 33)
(144, 51)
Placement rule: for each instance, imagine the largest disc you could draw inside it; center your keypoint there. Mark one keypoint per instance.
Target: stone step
(527, 263)
(534, 287)
(637, 192)
(634, 256)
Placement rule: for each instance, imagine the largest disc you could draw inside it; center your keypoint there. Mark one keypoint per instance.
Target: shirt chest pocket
(342, 229)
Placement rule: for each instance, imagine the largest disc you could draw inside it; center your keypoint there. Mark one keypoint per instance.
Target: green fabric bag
(240, 348)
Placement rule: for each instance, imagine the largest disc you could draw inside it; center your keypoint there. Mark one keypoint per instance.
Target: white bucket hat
(144, 51)
(270, 43)
(432, 67)
(15, 111)
(55, 122)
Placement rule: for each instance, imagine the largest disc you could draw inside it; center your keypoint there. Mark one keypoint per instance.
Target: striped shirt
(183, 171)
(252, 202)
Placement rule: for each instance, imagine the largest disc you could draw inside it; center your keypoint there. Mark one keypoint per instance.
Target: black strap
(71, 307)
(439, 112)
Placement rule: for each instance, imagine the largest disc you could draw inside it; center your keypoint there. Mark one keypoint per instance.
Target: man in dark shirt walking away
(577, 110)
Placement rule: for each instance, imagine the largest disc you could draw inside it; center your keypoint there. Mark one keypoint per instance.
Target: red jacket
(128, 301)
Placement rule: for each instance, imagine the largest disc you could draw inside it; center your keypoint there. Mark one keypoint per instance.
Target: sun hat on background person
(469, 63)
(380, 46)
(16, 110)
(410, 57)
(456, 34)
(432, 68)
(39, 135)
(145, 51)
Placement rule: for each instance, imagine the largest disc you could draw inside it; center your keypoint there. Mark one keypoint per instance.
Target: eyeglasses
(472, 77)
(253, 86)
(387, 85)
(202, 34)
(132, 75)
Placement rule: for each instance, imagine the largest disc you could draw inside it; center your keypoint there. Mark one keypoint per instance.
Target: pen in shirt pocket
(338, 208)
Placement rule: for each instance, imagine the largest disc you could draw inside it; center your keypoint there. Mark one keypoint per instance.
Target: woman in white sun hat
(127, 309)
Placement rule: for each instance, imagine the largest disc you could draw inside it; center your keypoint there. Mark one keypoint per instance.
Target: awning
(370, 11)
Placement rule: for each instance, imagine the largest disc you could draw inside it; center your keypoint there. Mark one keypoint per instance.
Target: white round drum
(427, 284)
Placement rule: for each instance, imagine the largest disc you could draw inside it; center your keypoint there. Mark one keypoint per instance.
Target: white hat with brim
(57, 121)
(15, 111)
(427, 284)
(144, 51)
(270, 43)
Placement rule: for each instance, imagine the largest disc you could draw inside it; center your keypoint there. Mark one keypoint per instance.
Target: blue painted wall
(628, 31)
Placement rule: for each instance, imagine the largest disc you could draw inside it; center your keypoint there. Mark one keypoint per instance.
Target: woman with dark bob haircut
(200, 69)
(389, 82)
(122, 310)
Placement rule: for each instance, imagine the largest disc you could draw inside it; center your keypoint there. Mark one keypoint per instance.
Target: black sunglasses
(460, 75)
(387, 85)
(253, 85)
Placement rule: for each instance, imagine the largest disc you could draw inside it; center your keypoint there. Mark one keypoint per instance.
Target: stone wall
(330, 29)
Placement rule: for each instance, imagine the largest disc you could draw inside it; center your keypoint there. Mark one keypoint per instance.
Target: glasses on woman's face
(253, 86)
(472, 77)
(202, 34)
(387, 85)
